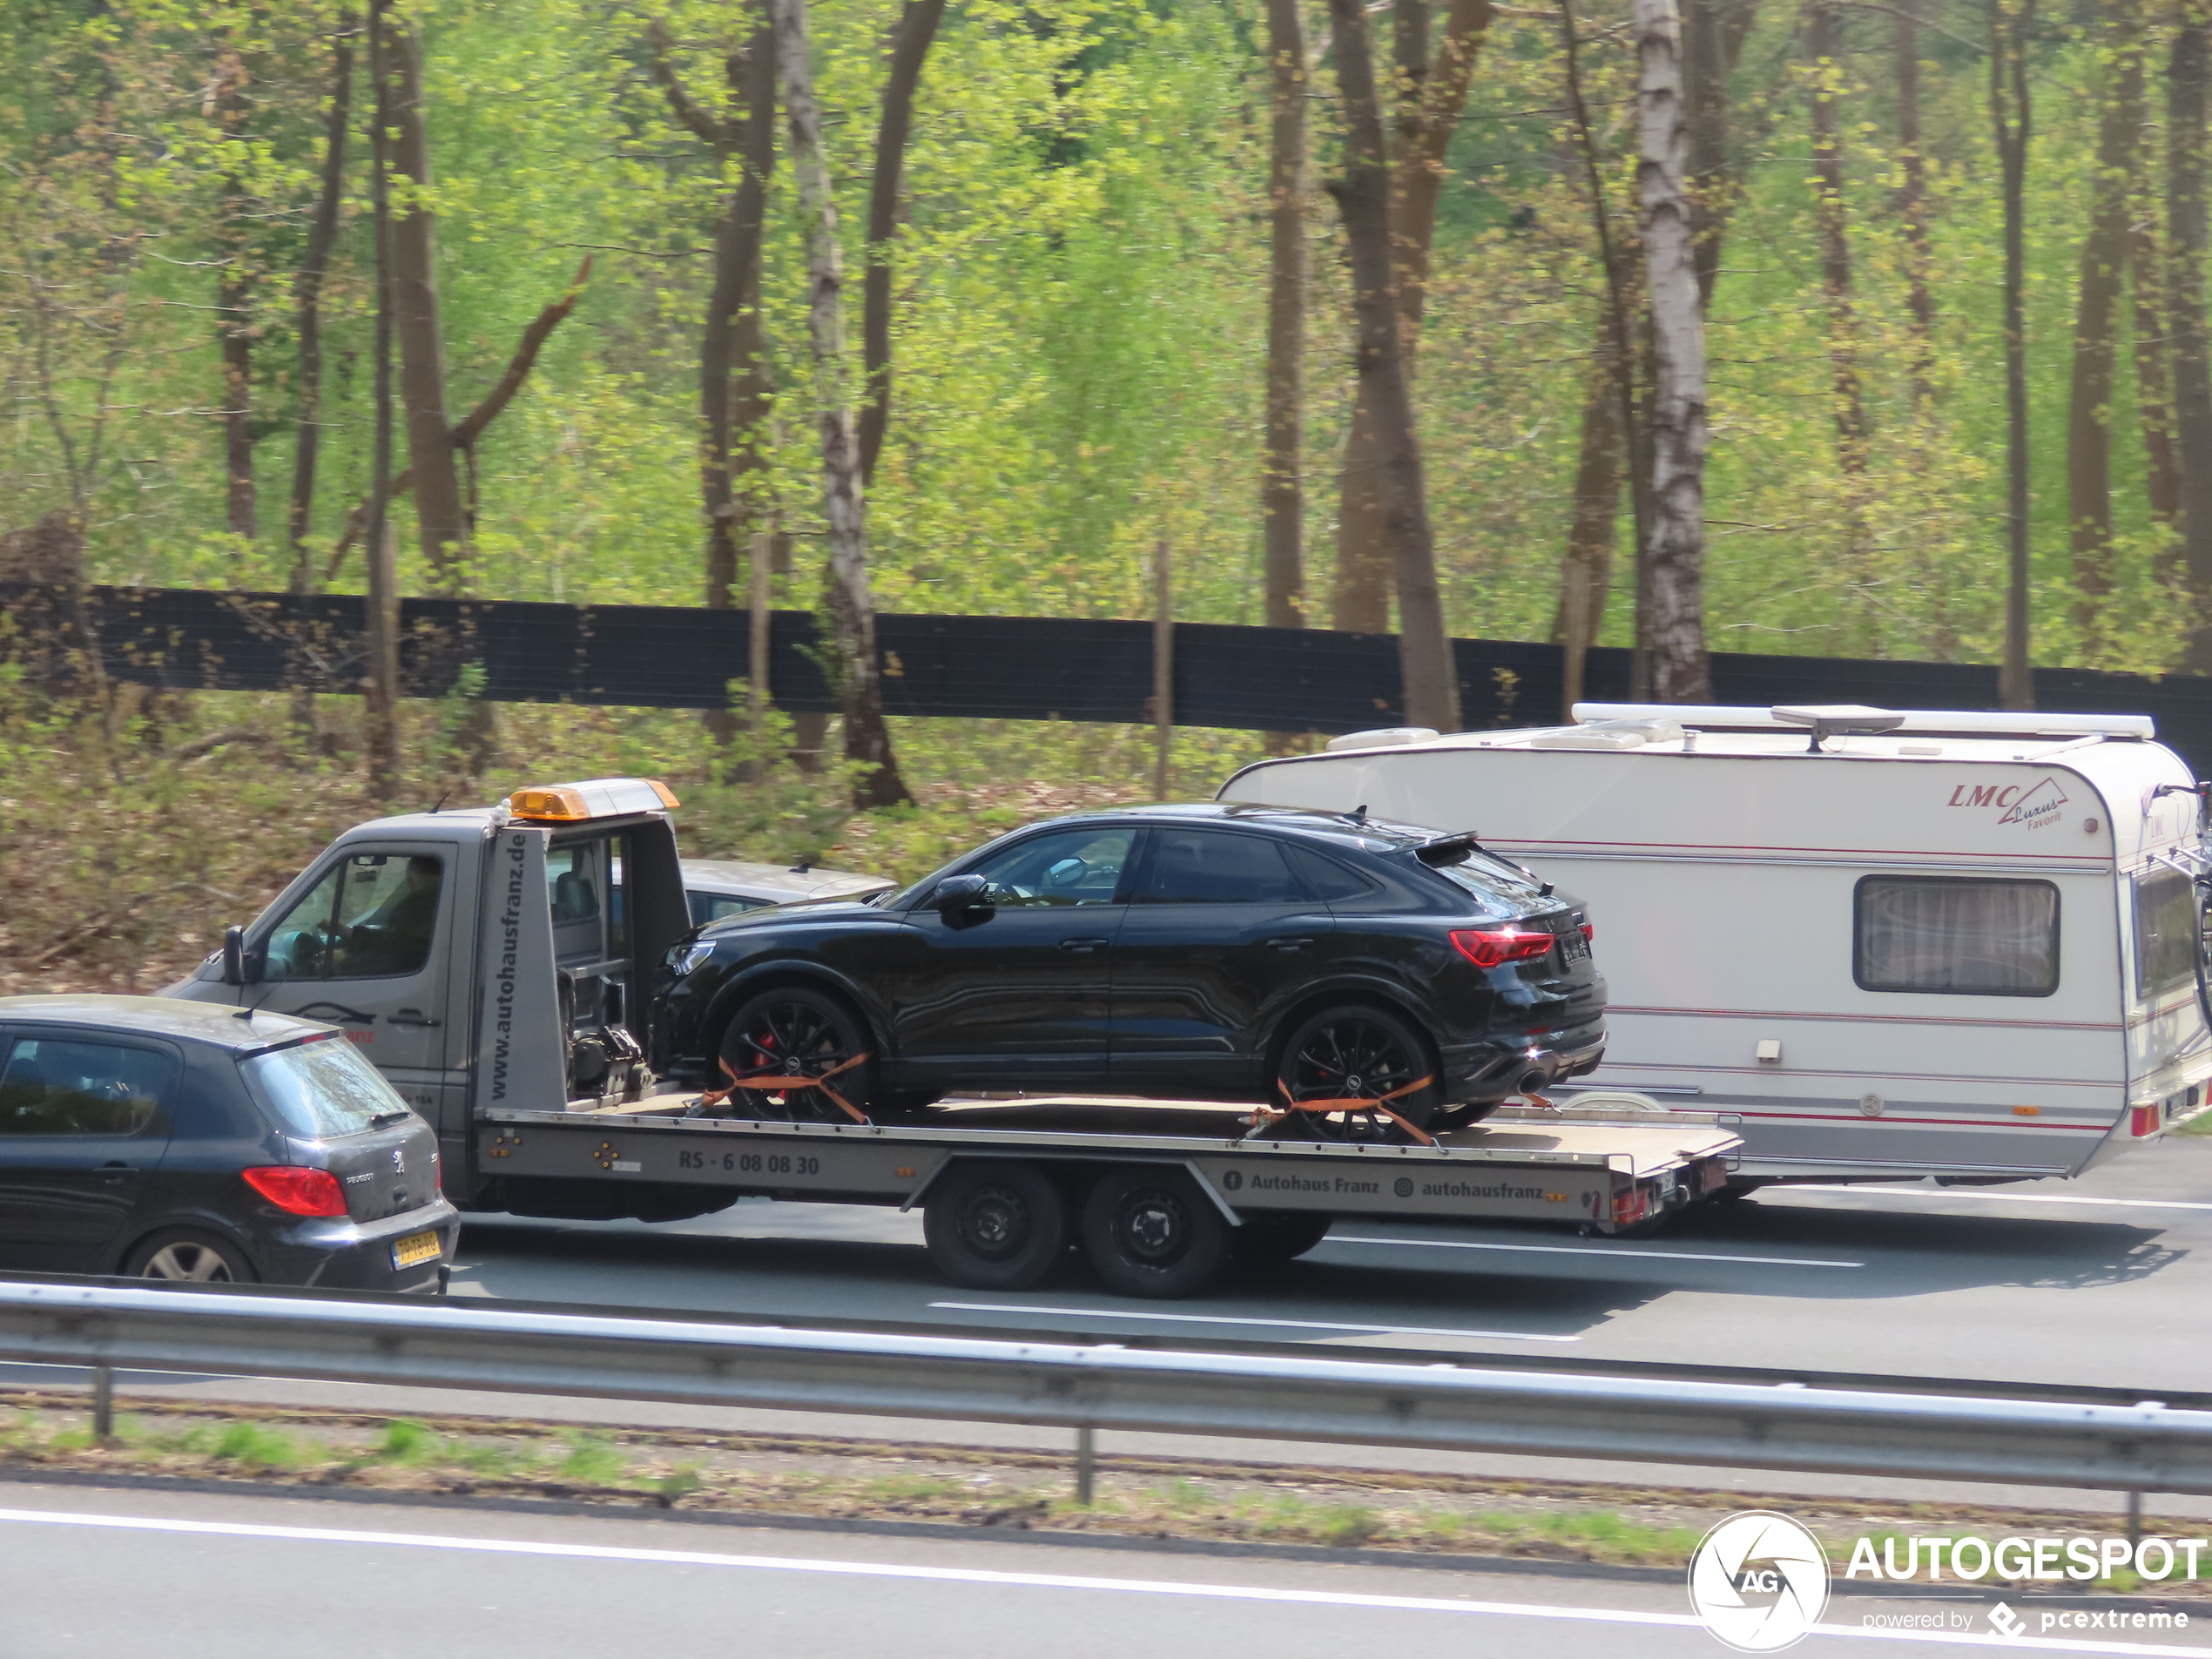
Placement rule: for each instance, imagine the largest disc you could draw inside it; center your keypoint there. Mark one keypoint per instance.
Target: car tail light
(1494, 948)
(1589, 933)
(304, 1192)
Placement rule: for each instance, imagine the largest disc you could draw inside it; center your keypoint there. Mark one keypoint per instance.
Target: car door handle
(112, 1173)
(409, 1016)
(1287, 946)
(1084, 947)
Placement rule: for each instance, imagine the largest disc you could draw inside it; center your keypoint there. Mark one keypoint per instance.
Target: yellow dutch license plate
(414, 1249)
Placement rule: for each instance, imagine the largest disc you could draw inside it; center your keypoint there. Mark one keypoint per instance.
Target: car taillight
(304, 1192)
(1494, 948)
(1589, 933)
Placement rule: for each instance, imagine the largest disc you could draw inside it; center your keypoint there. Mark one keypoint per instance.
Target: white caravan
(1957, 945)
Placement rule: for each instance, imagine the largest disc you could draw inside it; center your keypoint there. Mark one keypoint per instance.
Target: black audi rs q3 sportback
(1192, 952)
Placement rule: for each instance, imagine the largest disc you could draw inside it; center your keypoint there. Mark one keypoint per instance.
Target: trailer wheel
(1151, 1232)
(1357, 1052)
(994, 1224)
(795, 1031)
(1265, 1241)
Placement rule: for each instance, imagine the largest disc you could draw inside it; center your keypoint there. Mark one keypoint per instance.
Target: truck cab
(493, 956)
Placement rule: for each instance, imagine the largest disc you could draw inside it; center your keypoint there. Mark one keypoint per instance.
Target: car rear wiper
(385, 1120)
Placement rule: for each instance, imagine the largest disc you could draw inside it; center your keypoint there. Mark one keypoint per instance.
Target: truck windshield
(320, 1089)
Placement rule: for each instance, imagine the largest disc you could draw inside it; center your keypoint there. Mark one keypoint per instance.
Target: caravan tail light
(2145, 1120)
(1494, 948)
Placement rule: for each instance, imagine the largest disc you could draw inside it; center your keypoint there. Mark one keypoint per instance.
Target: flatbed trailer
(1159, 1195)
(516, 1012)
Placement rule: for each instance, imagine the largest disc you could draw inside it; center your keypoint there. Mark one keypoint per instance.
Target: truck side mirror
(233, 955)
(957, 893)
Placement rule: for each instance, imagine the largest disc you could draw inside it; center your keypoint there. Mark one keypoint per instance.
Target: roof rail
(1977, 723)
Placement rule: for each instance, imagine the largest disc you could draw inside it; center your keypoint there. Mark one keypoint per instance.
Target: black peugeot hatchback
(178, 1141)
(1366, 980)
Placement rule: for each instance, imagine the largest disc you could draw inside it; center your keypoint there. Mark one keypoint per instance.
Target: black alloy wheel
(796, 1032)
(996, 1224)
(1355, 1052)
(1151, 1232)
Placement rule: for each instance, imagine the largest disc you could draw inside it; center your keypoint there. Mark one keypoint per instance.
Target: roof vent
(1388, 737)
(1839, 719)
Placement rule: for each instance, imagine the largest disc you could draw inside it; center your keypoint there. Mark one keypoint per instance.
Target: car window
(371, 916)
(74, 1088)
(1070, 866)
(2165, 933)
(714, 907)
(320, 1089)
(1962, 936)
(1327, 879)
(1216, 867)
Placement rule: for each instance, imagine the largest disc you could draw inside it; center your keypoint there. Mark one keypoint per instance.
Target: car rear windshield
(1487, 881)
(320, 1089)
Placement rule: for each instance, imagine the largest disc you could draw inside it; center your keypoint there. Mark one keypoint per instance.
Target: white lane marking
(1587, 1249)
(1988, 1196)
(1228, 1318)
(1028, 1581)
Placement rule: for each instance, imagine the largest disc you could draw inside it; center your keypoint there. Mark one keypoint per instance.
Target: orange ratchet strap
(761, 1080)
(1376, 1105)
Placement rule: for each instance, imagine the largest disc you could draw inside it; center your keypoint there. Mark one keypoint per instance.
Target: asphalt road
(203, 1576)
(2104, 1280)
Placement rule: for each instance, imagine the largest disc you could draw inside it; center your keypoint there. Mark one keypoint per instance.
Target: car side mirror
(963, 893)
(233, 955)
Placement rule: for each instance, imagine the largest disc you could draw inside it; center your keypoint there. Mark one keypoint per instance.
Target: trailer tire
(1150, 1231)
(994, 1224)
(1267, 1241)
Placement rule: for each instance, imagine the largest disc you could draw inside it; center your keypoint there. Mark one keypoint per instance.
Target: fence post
(1162, 669)
(103, 1404)
(1086, 1463)
(382, 705)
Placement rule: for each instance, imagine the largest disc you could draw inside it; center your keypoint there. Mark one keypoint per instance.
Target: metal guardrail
(2145, 1447)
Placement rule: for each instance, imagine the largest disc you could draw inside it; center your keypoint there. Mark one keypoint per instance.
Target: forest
(988, 306)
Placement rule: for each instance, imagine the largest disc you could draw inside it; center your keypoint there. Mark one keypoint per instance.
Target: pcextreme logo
(1759, 1581)
(2034, 805)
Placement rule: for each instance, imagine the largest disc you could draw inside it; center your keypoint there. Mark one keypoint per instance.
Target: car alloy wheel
(1353, 1053)
(797, 1033)
(188, 1258)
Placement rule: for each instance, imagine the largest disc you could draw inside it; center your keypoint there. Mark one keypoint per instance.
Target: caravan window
(2165, 920)
(1963, 936)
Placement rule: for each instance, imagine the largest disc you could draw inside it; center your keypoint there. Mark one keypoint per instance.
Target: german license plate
(415, 1249)
(1572, 947)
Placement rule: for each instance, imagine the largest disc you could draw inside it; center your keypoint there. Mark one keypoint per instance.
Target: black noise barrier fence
(1017, 668)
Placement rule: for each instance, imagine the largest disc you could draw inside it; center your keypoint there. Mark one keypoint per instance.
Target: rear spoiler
(1443, 850)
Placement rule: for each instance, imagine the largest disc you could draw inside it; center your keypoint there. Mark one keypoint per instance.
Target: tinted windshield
(320, 1089)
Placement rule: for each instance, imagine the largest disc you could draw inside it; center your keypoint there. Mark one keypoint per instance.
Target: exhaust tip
(1533, 1079)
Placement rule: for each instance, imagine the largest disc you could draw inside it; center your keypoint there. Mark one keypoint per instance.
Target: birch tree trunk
(851, 609)
(909, 51)
(1425, 650)
(2010, 117)
(1674, 558)
(441, 520)
(2104, 263)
